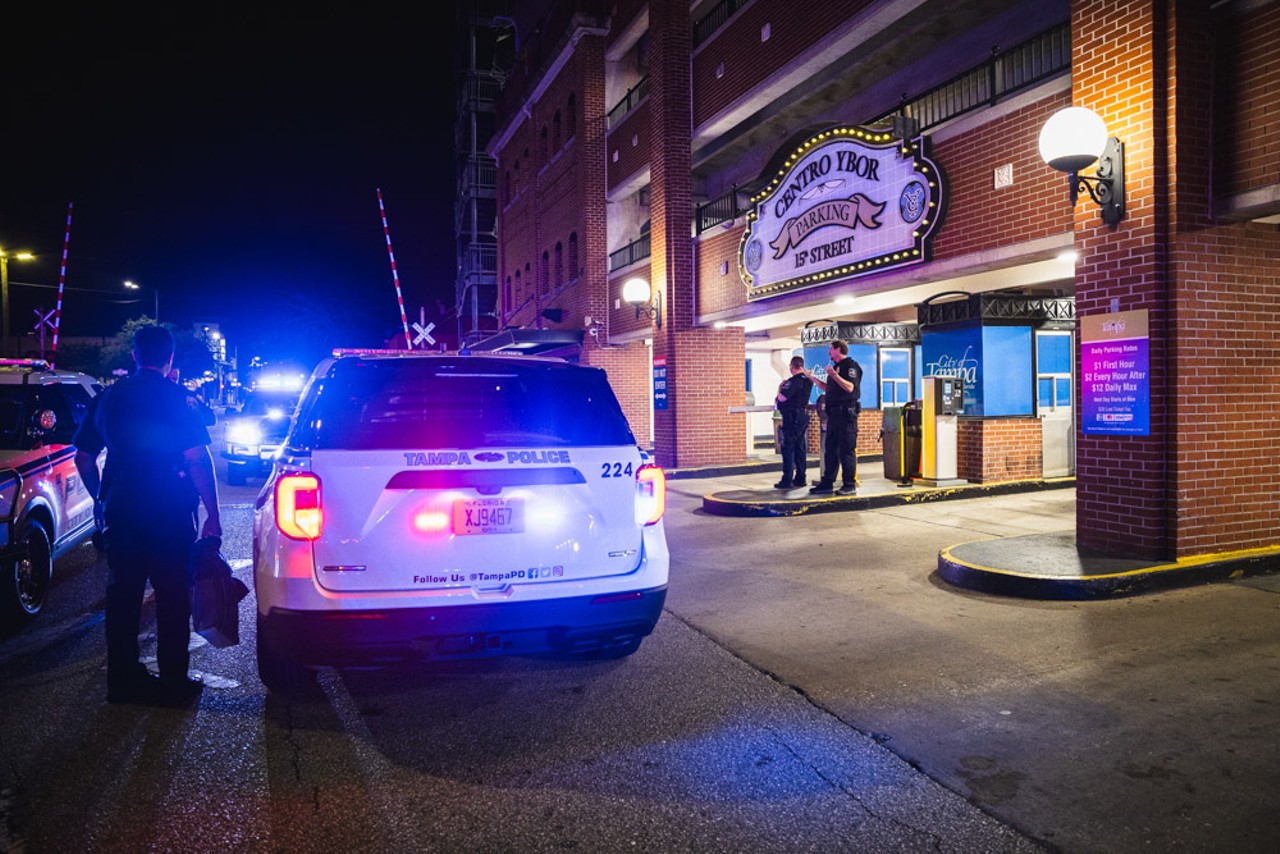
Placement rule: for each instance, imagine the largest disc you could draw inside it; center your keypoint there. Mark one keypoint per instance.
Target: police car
(441, 507)
(255, 434)
(45, 509)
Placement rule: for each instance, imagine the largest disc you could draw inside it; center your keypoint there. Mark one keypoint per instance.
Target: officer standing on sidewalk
(793, 405)
(842, 386)
(158, 467)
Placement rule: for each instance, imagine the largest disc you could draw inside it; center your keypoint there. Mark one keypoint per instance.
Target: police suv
(435, 507)
(45, 509)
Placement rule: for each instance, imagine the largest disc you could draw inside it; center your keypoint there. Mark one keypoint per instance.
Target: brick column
(1203, 481)
(705, 367)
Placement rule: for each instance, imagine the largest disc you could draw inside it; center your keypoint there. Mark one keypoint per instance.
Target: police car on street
(432, 507)
(45, 509)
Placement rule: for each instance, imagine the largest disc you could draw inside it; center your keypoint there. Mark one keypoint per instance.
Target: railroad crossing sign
(42, 321)
(423, 329)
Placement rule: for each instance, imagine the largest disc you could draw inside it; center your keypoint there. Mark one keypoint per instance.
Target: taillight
(299, 513)
(651, 494)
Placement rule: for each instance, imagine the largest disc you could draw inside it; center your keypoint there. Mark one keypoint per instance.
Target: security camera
(595, 333)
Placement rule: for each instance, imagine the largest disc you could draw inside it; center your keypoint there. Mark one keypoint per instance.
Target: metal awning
(560, 343)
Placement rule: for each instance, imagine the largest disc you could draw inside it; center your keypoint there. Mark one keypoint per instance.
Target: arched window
(573, 256)
(559, 265)
(555, 131)
(571, 117)
(544, 280)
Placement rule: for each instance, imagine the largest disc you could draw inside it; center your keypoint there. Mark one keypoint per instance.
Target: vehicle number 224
(616, 470)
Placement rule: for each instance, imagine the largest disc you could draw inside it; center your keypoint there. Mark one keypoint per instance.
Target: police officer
(842, 385)
(158, 467)
(793, 403)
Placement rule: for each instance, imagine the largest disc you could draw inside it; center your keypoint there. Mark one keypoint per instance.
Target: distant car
(447, 507)
(45, 509)
(254, 435)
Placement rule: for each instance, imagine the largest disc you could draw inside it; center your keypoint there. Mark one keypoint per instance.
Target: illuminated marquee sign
(847, 203)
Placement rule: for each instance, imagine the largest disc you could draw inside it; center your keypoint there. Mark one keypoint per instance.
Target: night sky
(229, 159)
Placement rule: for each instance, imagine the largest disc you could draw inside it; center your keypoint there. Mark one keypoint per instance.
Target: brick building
(781, 172)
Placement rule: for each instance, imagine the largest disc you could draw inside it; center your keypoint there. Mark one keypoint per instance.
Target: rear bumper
(354, 638)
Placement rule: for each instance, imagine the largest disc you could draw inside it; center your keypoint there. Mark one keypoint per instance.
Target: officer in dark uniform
(842, 385)
(793, 403)
(158, 468)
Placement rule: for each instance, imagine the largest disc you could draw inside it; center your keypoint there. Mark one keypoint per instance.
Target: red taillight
(299, 513)
(651, 494)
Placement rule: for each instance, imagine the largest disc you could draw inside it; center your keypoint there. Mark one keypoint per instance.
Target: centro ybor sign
(848, 202)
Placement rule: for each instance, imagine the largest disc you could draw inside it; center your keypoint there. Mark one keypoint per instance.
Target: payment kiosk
(943, 402)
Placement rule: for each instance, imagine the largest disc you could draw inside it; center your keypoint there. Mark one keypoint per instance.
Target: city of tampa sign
(848, 202)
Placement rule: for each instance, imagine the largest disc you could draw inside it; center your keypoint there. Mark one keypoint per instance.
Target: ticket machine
(943, 402)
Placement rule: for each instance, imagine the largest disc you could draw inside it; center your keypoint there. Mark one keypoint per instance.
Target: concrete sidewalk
(1042, 566)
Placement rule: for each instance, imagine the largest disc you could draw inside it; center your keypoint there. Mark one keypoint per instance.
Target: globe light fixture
(636, 291)
(1075, 138)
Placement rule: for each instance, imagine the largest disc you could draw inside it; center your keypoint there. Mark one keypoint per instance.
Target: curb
(750, 502)
(1190, 572)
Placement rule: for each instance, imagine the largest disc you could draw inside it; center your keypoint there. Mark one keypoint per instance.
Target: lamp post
(129, 285)
(4, 295)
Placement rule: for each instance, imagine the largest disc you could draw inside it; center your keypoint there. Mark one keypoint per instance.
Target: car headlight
(244, 433)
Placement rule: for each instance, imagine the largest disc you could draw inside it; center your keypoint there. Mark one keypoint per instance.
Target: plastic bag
(215, 594)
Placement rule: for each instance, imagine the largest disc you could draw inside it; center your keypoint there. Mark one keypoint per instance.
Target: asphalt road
(681, 747)
(812, 687)
(1150, 723)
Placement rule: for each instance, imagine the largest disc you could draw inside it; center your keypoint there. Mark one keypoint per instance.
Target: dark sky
(228, 157)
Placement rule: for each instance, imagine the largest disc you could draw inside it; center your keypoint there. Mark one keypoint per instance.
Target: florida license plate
(488, 516)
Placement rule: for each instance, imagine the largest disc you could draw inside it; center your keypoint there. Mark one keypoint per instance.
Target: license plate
(488, 516)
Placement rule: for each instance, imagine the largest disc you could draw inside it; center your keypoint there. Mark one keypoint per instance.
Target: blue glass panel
(1064, 391)
(1046, 392)
(1006, 377)
(895, 364)
(1053, 354)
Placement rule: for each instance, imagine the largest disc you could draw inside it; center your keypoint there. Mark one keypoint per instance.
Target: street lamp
(4, 295)
(129, 285)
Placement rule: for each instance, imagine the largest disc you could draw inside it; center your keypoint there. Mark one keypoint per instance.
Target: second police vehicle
(433, 507)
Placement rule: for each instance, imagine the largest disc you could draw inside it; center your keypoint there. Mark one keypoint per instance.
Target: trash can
(900, 440)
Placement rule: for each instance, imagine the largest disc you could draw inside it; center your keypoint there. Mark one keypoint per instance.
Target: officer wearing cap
(158, 468)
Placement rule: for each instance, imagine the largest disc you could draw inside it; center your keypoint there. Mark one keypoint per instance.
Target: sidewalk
(1042, 566)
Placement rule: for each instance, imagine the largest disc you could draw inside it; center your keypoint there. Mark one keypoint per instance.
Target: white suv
(432, 507)
(45, 509)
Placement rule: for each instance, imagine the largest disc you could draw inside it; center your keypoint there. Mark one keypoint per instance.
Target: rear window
(467, 403)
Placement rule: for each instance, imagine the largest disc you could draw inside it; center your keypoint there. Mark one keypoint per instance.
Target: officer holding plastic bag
(158, 467)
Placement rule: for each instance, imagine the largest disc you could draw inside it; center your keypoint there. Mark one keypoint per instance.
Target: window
(559, 265)
(895, 376)
(412, 403)
(571, 117)
(519, 294)
(506, 296)
(573, 256)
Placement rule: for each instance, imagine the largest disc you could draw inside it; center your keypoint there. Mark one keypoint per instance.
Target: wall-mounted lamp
(638, 293)
(1074, 138)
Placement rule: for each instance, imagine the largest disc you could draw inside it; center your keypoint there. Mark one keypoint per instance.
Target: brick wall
(993, 450)
(704, 379)
(979, 217)
(1247, 116)
(628, 145)
(716, 291)
(631, 377)
(747, 62)
(1122, 504)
